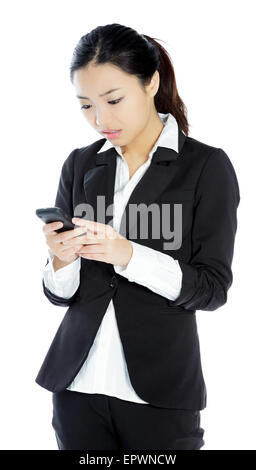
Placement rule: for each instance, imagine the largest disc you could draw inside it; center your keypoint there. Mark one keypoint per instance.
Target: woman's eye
(115, 101)
(85, 106)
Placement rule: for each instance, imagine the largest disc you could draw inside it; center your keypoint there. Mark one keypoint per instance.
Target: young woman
(156, 216)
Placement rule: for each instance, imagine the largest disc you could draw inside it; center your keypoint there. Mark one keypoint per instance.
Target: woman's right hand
(54, 241)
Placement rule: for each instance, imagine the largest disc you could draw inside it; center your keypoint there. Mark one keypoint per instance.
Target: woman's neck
(137, 152)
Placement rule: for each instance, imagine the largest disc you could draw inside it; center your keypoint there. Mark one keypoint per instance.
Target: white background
(212, 47)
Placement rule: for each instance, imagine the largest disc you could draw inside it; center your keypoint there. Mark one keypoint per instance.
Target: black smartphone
(56, 214)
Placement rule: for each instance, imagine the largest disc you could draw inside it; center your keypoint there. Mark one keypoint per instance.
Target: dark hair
(136, 54)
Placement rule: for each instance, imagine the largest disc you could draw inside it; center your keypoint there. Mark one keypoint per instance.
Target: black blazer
(159, 336)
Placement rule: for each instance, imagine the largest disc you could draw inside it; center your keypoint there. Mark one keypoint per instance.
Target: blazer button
(113, 281)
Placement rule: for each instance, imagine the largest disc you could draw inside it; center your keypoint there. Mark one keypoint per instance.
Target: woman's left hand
(101, 243)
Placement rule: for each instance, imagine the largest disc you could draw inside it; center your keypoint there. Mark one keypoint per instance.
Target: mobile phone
(55, 214)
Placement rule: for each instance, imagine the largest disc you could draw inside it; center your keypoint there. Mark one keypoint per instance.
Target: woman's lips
(112, 135)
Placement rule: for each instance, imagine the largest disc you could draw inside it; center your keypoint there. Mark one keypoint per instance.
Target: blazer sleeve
(208, 276)
(64, 200)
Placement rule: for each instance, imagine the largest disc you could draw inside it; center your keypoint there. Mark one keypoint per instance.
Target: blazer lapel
(100, 181)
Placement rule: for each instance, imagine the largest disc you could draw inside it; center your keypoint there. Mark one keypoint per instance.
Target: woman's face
(128, 108)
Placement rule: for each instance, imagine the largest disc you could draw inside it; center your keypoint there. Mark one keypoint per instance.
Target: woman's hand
(55, 241)
(102, 243)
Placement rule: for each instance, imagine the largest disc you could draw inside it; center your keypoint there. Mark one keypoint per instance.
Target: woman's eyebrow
(103, 94)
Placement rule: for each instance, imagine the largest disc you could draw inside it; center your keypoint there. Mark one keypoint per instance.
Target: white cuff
(156, 270)
(65, 281)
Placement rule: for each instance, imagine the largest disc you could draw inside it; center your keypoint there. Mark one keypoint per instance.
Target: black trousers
(91, 421)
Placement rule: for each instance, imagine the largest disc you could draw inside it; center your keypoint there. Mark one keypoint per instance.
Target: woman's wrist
(58, 263)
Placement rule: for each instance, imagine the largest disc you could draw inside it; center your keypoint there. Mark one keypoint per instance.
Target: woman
(124, 367)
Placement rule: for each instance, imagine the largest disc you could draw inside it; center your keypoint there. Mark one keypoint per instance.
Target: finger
(98, 227)
(67, 249)
(91, 249)
(50, 227)
(70, 249)
(94, 256)
(85, 240)
(68, 234)
(85, 232)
